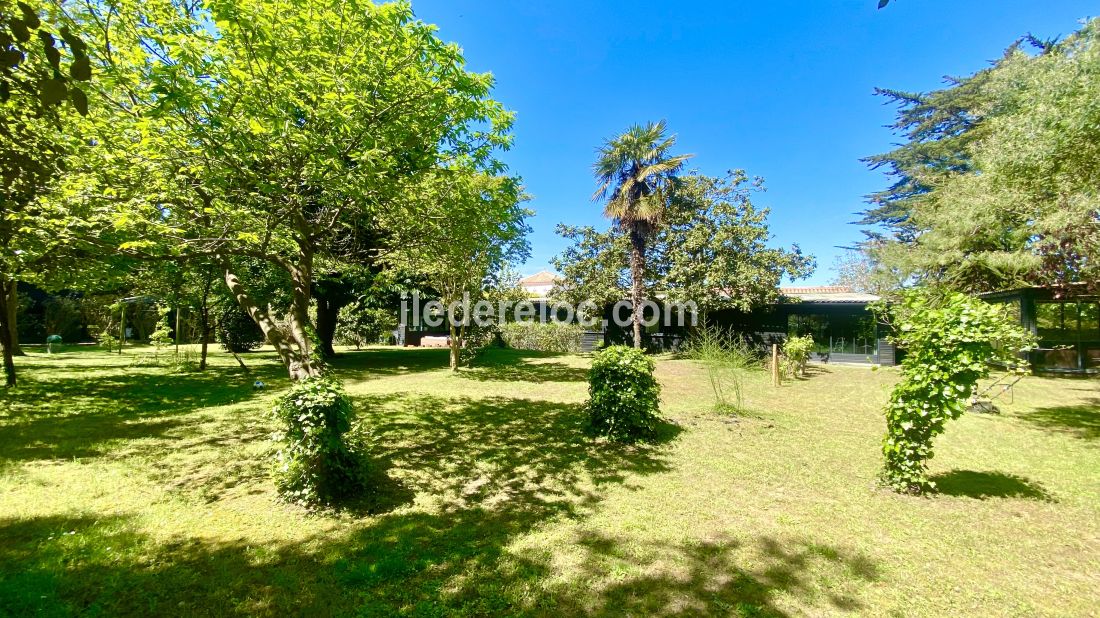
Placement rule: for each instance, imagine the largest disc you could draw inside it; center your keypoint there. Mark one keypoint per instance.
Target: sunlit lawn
(129, 490)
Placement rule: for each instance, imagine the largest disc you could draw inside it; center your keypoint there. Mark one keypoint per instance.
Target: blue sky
(782, 89)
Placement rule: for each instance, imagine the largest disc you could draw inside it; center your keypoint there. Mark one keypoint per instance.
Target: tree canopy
(286, 135)
(996, 184)
(713, 249)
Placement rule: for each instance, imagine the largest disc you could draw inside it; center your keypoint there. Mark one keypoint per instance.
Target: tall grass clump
(727, 359)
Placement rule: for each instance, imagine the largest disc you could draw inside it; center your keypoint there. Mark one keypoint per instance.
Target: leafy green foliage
(291, 144)
(317, 465)
(996, 183)
(623, 396)
(161, 335)
(466, 227)
(796, 353)
(542, 336)
(949, 342)
(41, 61)
(237, 332)
(361, 325)
(712, 238)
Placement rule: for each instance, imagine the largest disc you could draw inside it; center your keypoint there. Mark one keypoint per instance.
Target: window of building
(837, 334)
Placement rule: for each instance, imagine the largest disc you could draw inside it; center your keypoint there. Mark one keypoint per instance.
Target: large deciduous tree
(633, 171)
(278, 132)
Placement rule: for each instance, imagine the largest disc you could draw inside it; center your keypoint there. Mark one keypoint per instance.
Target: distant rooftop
(827, 294)
(540, 278)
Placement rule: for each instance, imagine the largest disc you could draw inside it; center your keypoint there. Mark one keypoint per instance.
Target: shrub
(623, 395)
(107, 340)
(237, 332)
(796, 353)
(949, 342)
(317, 465)
(358, 325)
(542, 336)
(476, 340)
(726, 358)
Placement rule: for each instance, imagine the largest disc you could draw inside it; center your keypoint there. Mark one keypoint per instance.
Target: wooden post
(775, 364)
(122, 329)
(177, 337)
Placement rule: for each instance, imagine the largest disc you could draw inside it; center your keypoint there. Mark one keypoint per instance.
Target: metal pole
(177, 328)
(775, 364)
(122, 329)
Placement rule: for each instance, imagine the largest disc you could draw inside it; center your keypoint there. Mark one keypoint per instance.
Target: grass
(128, 490)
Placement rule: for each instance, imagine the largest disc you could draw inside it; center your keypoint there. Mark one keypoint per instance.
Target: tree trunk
(12, 311)
(456, 345)
(637, 272)
(6, 327)
(205, 327)
(328, 312)
(292, 347)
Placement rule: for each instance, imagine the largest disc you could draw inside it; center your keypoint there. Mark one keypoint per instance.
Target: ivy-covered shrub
(949, 341)
(796, 353)
(317, 464)
(623, 395)
(237, 332)
(542, 336)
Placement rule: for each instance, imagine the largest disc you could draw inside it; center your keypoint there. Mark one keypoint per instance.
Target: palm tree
(634, 170)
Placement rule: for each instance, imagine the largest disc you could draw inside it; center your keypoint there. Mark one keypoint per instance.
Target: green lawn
(129, 490)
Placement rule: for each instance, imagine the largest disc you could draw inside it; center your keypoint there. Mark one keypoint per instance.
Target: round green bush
(317, 465)
(237, 332)
(623, 395)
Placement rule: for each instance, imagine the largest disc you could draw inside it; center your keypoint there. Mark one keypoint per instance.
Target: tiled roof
(827, 294)
(540, 278)
(818, 289)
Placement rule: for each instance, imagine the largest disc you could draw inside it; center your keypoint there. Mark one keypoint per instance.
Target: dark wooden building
(1067, 323)
(843, 328)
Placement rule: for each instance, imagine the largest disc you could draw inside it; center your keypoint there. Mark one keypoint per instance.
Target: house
(539, 284)
(837, 318)
(1066, 321)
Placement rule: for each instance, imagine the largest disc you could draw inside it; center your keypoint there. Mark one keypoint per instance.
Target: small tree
(467, 225)
(949, 341)
(796, 353)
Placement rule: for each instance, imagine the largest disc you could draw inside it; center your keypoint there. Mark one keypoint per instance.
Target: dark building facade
(838, 319)
(1067, 324)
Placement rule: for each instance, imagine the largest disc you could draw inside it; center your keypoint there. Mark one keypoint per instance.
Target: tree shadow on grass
(1082, 421)
(504, 365)
(501, 449)
(709, 578)
(79, 415)
(814, 370)
(455, 562)
(486, 472)
(983, 485)
(391, 361)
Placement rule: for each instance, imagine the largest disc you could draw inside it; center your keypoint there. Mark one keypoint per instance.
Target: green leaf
(53, 91)
(81, 69)
(80, 101)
